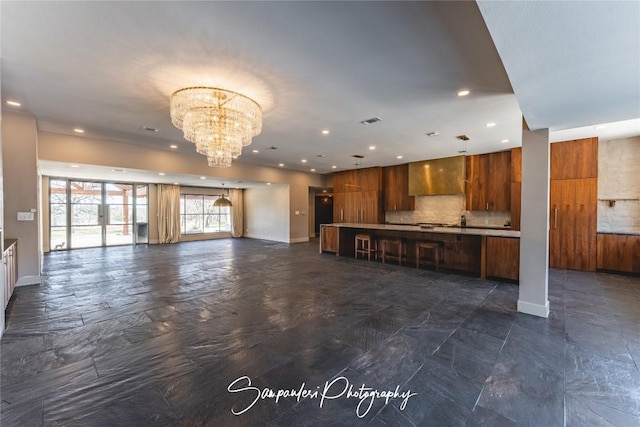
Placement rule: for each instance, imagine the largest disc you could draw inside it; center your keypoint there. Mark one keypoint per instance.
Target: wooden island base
(482, 252)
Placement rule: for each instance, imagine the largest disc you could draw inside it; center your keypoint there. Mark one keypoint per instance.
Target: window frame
(221, 212)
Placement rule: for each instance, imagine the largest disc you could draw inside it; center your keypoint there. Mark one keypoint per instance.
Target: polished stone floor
(162, 335)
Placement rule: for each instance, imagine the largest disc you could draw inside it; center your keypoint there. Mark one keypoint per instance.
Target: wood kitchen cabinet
(516, 205)
(573, 204)
(361, 198)
(503, 257)
(572, 234)
(516, 187)
(396, 189)
(574, 159)
(488, 186)
(618, 252)
(329, 238)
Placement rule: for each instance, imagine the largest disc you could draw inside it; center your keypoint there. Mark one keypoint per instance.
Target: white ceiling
(110, 67)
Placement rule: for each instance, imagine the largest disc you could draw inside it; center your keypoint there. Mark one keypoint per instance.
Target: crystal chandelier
(218, 121)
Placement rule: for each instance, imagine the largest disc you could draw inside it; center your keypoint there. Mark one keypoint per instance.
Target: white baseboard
(534, 309)
(29, 280)
(251, 236)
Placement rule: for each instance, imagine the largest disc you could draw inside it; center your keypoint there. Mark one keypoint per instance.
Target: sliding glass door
(87, 214)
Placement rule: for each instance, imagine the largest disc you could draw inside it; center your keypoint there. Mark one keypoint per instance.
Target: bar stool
(432, 251)
(394, 249)
(365, 245)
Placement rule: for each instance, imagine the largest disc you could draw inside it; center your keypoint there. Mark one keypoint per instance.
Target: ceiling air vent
(273, 148)
(432, 133)
(463, 137)
(371, 120)
(358, 156)
(149, 129)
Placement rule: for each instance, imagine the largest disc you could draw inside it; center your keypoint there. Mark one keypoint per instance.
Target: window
(198, 215)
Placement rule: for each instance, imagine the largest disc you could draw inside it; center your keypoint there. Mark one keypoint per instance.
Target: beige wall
(267, 213)
(21, 192)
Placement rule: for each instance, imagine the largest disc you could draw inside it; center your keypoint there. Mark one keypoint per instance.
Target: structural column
(534, 234)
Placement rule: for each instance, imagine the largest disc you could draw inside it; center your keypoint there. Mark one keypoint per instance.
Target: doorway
(87, 214)
(324, 211)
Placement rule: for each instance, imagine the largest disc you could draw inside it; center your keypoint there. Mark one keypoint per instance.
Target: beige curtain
(168, 213)
(237, 212)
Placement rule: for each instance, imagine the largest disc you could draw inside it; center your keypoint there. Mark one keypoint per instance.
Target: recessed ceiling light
(14, 103)
(176, 183)
(504, 141)
(203, 177)
(75, 166)
(324, 191)
(78, 130)
(334, 167)
(325, 132)
(281, 164)
(161, 173)
(255, 151)
(313, 170)
(268, 183)
(118, 170)
(490, 125)
(174, 146)
(304, 160)
(464, 92)
(372, 147)
(398, 157)
(600, 127)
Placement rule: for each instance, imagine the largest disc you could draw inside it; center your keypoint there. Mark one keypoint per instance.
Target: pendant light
(222, 202)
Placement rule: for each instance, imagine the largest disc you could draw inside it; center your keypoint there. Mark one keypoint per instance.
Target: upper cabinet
(396, 189)
(488, 182)
(575, 159)
(368, 179)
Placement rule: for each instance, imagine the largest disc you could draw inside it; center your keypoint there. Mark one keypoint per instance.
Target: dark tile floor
(135, 336)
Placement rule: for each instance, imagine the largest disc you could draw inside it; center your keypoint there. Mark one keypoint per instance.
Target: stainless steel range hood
(437, 176)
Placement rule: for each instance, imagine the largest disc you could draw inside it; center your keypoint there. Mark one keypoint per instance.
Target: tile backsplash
(445, 210)
(438, 209)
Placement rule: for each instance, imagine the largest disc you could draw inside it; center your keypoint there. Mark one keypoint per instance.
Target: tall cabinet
(573, 204)
(358, 195)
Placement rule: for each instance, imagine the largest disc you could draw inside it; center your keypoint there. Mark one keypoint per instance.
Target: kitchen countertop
(445, 230)
(634, 231)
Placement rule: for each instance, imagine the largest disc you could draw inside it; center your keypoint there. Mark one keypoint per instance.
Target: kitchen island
(479, 251)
